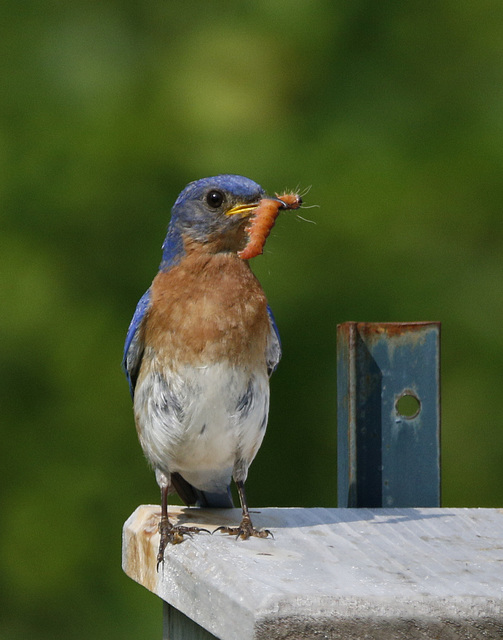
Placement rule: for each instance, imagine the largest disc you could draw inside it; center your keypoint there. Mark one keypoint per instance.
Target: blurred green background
(392, 112)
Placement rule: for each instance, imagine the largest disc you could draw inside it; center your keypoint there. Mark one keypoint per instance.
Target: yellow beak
(242, 209)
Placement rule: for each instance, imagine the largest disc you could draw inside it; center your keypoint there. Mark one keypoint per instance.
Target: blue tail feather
(214, 500)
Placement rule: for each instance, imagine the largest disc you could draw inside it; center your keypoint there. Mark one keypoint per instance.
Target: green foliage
(392, 112)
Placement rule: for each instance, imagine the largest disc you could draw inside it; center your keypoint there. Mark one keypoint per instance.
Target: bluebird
(199, 352)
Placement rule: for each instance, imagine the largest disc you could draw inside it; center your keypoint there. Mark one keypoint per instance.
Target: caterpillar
(262, 221)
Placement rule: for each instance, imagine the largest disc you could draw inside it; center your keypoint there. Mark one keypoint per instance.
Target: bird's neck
(172, 249)
(178, 246)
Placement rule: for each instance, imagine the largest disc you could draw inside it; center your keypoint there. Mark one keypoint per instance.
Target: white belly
(205, 423)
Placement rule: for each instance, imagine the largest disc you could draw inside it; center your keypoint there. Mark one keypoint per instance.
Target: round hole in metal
(408, 405)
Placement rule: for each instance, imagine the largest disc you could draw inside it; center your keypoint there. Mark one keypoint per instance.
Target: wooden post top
(419, 571)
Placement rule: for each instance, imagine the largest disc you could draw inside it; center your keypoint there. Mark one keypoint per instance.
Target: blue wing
(134, 347)
(273, 350)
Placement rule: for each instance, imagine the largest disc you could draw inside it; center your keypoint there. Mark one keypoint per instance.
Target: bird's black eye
(215, 198)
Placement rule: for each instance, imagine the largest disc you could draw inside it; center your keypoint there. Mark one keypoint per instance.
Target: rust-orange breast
(208, 308)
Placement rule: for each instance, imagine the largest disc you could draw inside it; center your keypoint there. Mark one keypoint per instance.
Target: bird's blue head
(212, 210)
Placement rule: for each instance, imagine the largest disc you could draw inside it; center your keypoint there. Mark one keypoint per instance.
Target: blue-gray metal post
(388, 386)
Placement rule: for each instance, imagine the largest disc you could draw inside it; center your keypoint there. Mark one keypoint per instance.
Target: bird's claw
(173, 534)
(245, 530)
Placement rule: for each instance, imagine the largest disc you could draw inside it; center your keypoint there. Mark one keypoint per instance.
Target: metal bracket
(388, 442)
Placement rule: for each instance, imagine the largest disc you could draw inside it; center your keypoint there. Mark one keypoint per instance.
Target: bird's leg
(166, 529)
(246, 528)
(171, 533)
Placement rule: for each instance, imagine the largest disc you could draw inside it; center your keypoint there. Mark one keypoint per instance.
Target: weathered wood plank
(334, 573)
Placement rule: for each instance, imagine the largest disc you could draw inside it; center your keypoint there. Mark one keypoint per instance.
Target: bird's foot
(245, 530)
(173, 534)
